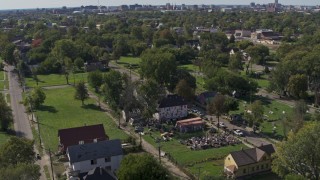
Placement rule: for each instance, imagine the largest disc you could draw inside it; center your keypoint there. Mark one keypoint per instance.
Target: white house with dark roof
(85, 157)
(172, 107)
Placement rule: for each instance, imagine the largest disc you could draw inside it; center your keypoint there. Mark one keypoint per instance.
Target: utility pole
(39, 130)
(199, 168)
(140, 139)
(159, 146)
(51, 164)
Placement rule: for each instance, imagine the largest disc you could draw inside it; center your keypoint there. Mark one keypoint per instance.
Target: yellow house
(247, 162)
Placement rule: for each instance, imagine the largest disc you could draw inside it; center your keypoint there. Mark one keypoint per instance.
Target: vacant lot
(62, 111)
(209, 159)
(55, 79)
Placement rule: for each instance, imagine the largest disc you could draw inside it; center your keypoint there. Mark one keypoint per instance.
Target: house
(247, 162)
(265, 34)
(205, 97)
(242, 33)
(172, 107)
(80, 135)
(99, 173)
(103, 154)
(93, 66)
(190, 125)
(133, 113)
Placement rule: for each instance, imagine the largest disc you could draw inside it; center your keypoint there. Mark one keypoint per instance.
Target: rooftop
(97, 150)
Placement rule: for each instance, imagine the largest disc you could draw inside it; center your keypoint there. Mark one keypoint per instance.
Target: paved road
(115, 66)
(21, 122)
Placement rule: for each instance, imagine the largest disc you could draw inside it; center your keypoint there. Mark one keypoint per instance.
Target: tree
(21, 171)
(81, 92)
(217, 106)
(112, 88)
(105, 58)
(17, 150)
(235, 62)
(232, 39)
(7, 54)
(5, 114)
(95, 79)
(298, 85)
(79, 63)
(256, 115)
(141, 166)
(158, 65)
(299, 155)
(296, 120)
(184, 90)
(36, 98)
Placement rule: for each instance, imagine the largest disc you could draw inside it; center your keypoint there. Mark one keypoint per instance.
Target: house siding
(86, 166)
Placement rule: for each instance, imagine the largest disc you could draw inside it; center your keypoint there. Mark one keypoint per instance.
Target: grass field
(273, 111)
(210, 160)
(55, 79)
(2, 75)
(130, 62)
(189, 67)
(210, 169)
(3, 137)
(62, 111)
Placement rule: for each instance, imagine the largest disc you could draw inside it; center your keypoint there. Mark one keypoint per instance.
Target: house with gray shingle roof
(248, 162)
(85, 157)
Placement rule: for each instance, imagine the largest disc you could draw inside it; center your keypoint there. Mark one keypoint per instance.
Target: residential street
(21, 122)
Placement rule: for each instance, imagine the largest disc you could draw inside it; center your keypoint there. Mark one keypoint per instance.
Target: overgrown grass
(46, 171)
(55, 79)
(273, 111)
(211, 169)
(2, 74)
(60, 110)
(4, 137)
(185, 156)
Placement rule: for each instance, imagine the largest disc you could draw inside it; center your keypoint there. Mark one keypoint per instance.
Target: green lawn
(62, 111)
(2, 75)
(55, 79)
(207, 169)
(189, 67)
(130, 60)
(3, 137)
(185, 156)
(273, 111)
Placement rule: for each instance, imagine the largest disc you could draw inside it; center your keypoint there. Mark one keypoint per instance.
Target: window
(95, 140)
(264, 158)
(81, 142)
(94, 161)
(262, 166)
(267, 165)
(244, 171)
(107, 159)
(258, 167)
(108, 168)
(252, 169)
(228, 158)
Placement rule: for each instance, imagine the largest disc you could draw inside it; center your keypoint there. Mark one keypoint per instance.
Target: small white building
(173, 107)
(103, 154)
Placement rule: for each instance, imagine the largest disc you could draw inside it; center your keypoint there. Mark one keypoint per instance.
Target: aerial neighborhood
(102, 91)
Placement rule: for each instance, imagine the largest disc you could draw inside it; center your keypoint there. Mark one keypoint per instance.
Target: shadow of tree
(91, 106)
(50, 109)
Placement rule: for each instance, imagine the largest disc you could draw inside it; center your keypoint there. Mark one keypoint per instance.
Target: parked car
(138, 129)
(221, 124)
(238, 132)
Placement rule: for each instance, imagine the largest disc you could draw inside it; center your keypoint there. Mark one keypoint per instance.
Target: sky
(22, 4)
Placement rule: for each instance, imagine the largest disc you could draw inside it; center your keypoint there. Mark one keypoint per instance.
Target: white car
(238, 132)
(221, 124)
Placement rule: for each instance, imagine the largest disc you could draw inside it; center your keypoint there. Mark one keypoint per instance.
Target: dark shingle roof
(92, 151)
(171, 101)
(72, 136)
(252, 155)
(269, 149)
(98, 173)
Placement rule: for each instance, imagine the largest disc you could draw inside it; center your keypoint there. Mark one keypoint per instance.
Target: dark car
(138, 129)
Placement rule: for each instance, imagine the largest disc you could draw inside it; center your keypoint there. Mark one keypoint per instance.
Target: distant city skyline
(26, 4)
